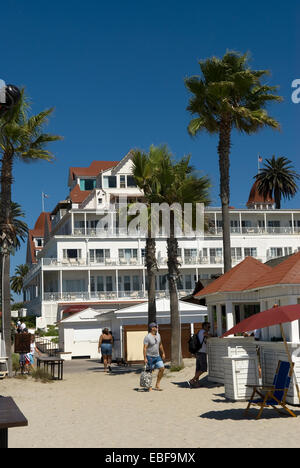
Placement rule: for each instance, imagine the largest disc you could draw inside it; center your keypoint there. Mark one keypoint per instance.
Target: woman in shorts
(105, 346)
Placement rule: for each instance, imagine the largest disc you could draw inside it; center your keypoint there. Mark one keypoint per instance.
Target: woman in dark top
(105, 346)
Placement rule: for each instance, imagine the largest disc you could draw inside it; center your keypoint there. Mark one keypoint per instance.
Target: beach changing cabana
(79, 333)
(249, 288)
(129, 327)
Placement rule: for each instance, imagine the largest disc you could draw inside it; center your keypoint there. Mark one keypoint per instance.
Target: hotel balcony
(108, 295)
(255, 231)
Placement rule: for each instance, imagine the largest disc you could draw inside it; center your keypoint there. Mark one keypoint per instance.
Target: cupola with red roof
(257, 201)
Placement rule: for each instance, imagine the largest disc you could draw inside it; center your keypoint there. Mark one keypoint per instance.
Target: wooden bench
(54, 363)
(10, 416)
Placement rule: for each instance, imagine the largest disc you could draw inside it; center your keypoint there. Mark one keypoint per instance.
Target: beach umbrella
(278, 315)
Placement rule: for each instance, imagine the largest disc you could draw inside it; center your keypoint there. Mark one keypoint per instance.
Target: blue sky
(115, 74)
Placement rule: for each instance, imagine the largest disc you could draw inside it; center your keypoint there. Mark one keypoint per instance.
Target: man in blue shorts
(154, 353)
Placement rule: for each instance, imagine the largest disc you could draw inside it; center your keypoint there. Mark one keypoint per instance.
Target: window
(274, 224)
(216, 252)
(99, 255)
(188, 282)
(276, 252)
(131, 181)
(250, 252)
(135, 283)
(71, 253)
(127, 285)
(109, 182)
(109, 283)
(236, 252)
(122, 181)
(190, 253)
(87, 184)
(100, 283)
(128, 253)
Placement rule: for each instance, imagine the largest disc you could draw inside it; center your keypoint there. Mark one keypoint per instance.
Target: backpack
(194, 344)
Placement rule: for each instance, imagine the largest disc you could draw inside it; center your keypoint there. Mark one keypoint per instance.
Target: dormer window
(87, 184)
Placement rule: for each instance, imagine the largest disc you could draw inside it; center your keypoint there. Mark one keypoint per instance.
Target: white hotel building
(73, 263)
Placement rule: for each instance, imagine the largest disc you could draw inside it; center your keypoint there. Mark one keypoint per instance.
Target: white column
(219, 320)
(144, 281)
(72, 223)
(211, 317)
(60, 283)
(89, 283)
(229, 315)
(117, 284)
(293, 227)
(42, 284)
(85, 229)
(240, 217)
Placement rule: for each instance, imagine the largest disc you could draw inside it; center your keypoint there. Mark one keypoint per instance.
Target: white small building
(79, 334)
(129, 327)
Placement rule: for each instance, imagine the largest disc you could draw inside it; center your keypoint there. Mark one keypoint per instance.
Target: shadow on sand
(203, 383)
(239, 414)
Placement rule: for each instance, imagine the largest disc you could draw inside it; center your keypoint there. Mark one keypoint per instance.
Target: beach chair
(274, 395)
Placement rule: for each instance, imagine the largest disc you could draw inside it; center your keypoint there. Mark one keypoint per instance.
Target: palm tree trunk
(176, 351)
(5, 224)
(277, 197)
(151, 265)
(224, 165)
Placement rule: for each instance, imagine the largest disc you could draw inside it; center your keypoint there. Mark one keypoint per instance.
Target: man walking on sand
(154, 353)
(201, 356)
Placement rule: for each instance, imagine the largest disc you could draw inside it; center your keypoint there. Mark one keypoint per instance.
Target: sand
(92, 409)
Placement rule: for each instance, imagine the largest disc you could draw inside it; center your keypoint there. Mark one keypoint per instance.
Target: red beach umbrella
(275, 316)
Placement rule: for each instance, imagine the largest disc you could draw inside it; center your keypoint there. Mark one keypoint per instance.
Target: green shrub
(41, 375)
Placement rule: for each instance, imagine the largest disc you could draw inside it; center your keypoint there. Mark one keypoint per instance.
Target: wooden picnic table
(10, 416)
(52, 362)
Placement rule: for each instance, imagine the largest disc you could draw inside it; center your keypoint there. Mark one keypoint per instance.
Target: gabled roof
(238, 278)
(93, 170)
(287, 272)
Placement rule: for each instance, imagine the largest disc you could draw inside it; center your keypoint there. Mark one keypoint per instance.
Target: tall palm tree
(21, 138)
(20, 230)
(277, 179)
(229, 95)
(180, 184)
(17, 281)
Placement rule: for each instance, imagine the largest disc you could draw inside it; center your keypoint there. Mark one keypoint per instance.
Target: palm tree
(21, 138)
(20, 230)
(180, 184)
(228, 96)
(145, 169)
(17, 281)
(277, 179)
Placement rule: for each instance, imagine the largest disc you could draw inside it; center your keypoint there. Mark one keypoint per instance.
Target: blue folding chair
(274, 395)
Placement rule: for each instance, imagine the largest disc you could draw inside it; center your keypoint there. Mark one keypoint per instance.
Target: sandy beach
(92, 409)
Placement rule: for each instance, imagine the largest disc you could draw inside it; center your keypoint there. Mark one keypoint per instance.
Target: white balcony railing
(108, 295)
(255, 230)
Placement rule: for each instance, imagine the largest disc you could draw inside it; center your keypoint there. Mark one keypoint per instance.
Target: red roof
(38, 231)
(93, 170)
(256, 198)
(78, 196)
(287, 272)
(238, 278)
